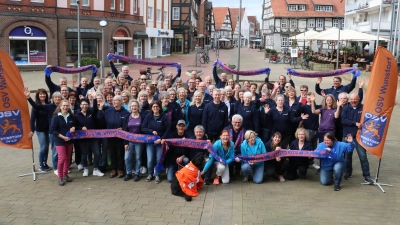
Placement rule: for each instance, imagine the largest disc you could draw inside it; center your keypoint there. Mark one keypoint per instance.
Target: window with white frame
(150, 13)
(284, 23)
(293, 23)
(112, 4)
(135, 6)
(73, 2)
(323, 8)
(293, 7)
(335, 23)
(302, 8)
(311, 23)
(320, 23)
(38, 1)
(165, 17)
(158, 16)
(121, 5)
(176, 13)
(284, 41)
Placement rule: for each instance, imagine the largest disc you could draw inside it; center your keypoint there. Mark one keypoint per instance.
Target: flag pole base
(377, 184)
(33, 173)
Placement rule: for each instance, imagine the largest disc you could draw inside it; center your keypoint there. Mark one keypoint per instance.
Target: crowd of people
(237, 118)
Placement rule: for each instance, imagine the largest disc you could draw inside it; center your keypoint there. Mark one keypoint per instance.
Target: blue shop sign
(27, 31)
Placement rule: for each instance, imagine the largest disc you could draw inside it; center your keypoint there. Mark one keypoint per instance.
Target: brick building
(37, 33)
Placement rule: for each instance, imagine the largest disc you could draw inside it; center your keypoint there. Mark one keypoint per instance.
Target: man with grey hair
(219, 82)
(236, 135)
(206, 97)
(54, 87)
(124, 71)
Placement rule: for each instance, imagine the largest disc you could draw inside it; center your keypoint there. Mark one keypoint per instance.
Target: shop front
(89, 44)
(138, 43)
(28, 45)
(158, 43)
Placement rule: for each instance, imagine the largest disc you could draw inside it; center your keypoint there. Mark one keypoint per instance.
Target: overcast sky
(253, 7)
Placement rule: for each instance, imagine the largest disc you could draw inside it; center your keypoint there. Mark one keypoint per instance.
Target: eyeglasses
(303, 90)
(237, 122)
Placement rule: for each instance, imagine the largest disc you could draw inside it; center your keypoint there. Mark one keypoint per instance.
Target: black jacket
(161, 125)
(215, 118)
(60, 126)
(114, 118)
(295, 146)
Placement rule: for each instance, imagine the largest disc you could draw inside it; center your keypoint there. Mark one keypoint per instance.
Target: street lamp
(103, 23)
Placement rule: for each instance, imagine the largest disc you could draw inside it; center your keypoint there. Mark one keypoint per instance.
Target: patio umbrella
(305, 35)
(347, 35)
(223, 39)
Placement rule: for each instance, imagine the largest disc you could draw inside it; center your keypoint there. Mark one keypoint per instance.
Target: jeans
(134, 149)
(362, 154)
(44, 140)
(54, 154)
(64, 157)
(103, 154)
(153, 158)
(173, 167)
(258, 171)
(326, 175)
(84, 146)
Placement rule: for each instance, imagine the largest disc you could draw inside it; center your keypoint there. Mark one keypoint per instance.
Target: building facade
(285, 18)
(245, 26)
(222, 33)
(37, 33)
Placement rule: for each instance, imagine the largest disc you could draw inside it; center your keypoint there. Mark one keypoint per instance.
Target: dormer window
(323, 8)
(297, 7)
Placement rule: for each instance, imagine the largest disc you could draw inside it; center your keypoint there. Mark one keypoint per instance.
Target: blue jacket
(161, 125)
(246, 150)
(195, 115)
(83, 91)
(187, 105)
(265, 121)
(337, 153)
(350, 117)
(114, 118)
(116, 72)
(336, 91)
(250, 117)
(89, 120)
(312, 122)
(215, 118)
(218, 81)
(282, 122)
(207, 98)
(228, 157)
(53, 87)
(175, 112)
(281, 88)
(60, 126)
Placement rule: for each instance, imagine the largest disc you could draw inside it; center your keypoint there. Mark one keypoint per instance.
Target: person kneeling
(252, 146)
(336, 163)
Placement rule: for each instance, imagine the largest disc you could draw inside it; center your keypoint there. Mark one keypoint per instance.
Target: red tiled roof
(252, 19)
(235, 16)
(219, 16)
(294, 2)
(280, 9)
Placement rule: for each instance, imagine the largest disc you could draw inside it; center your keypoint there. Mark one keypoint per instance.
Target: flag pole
(377, 179)
(33, 167)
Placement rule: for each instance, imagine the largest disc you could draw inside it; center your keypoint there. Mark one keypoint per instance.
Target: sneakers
(315, 166)
(281, 178)
(43, 169)
(143, 170)
(347, 176)
(302, 177)
(61, 182)
(336, 187)
(245, 179)
(369, 180)
(55, 172)
(97, 172)
(47, 167)
(216, 180)
(127, 177)
(158, 180)
(136, 178)
(80, 167)
(121, 174)
(149, 178)
(85, 172)
(113, 174)
(67, 179)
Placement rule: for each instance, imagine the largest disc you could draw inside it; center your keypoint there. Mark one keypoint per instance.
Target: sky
(253, 7)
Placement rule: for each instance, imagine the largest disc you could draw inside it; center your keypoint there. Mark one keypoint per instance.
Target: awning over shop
(122, 39)
(140, 35)
(85, 33)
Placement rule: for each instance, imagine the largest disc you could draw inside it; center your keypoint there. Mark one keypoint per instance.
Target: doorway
(119, 48)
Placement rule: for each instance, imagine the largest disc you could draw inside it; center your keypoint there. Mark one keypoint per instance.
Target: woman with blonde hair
(299, 164)
(126, 97)
(252, 145)
(184, 103)
(195, 111)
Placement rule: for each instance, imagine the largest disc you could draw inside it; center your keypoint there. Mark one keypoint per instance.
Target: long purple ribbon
(113, 133)
(286, 153)
(66, 70)
(143, 62)
(242, 72)
(356, 72)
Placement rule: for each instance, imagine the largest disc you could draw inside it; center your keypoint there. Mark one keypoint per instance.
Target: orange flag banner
(379, 102)
(14, 111)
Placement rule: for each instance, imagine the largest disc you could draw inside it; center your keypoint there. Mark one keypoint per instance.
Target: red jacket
(190, 180)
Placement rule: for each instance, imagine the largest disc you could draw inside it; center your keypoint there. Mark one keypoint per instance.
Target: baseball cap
(181, 122)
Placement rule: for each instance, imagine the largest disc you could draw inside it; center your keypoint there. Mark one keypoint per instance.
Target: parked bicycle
(281, 57)
(305, 64)
(149, 74)
(204, 58)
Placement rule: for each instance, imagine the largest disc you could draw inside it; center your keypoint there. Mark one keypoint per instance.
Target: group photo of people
(238, 118)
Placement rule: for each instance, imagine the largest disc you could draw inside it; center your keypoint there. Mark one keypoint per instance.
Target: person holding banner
(299, 164)
(279, 165)
(156, 123)
(224, 148)
(54, 87)
(337, 87)
(236, 135)
(219, 82)
(63, 122)
(252, 145)
(351, 117)
(336, 163)
(115, 118)
(49, 109)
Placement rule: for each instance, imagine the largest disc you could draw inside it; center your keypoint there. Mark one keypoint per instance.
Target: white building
(245, 26)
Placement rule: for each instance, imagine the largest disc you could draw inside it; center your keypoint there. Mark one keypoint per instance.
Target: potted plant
(346, 50)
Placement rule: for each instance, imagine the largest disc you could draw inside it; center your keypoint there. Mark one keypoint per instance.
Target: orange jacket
(190, 180)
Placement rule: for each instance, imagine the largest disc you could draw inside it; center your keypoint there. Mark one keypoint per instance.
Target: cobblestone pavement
(101, 200)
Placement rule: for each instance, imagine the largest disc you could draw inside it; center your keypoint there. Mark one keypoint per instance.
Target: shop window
(25, 52)
(83, 2)
(153, 43)
(88, 49)
(166, 46)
